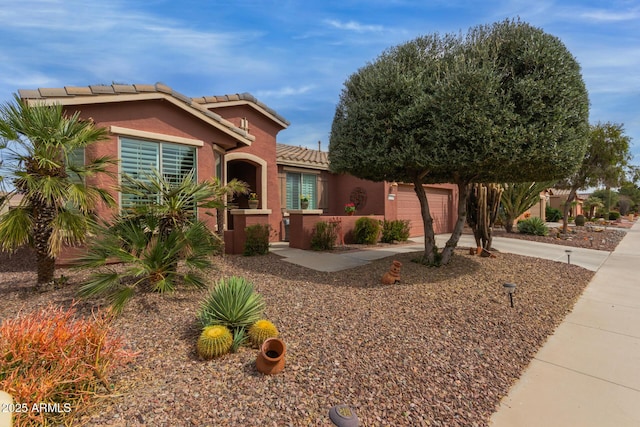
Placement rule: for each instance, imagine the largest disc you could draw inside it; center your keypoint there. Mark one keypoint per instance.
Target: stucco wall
(340, 188)
(302, 225)
(150, 116)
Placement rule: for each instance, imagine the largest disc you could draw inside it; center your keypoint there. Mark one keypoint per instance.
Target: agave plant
(149, 258)
(232, 303)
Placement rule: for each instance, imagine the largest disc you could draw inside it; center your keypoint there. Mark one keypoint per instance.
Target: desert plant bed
(588, 237)
(441, 348)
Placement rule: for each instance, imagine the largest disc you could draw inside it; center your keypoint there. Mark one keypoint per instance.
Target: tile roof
(292, 155)
(240, 98)
(564, 192)
(200, 104)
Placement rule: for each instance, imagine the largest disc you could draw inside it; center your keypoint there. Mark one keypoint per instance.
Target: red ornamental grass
(50, 356)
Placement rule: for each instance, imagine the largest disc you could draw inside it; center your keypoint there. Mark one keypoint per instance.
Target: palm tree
(172, 202)
(591, 204)
(221, 195)
(149, 259)
(151, 237)
(56, 207)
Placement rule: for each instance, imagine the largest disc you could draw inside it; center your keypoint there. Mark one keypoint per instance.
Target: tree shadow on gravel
(23, 259)
(364, 276)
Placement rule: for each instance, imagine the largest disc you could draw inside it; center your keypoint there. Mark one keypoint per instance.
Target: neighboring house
(14, 201)
(231, 136)
(558, 198)
(538, 210)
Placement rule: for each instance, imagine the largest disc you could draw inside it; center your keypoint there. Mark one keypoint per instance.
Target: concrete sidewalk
(588, 372)
(322, 261)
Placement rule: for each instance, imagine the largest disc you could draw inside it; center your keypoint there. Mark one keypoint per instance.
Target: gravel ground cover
(590, 236)
(439, 349)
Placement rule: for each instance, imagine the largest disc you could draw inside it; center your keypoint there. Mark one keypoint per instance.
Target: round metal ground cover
(343, 416)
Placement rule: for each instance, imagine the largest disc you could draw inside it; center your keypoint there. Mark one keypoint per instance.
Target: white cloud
(111, 41)
(284, 92)
(354, 26)
(602, 15)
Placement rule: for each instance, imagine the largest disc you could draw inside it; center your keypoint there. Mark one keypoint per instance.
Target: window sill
(306, 211)
(250, 211)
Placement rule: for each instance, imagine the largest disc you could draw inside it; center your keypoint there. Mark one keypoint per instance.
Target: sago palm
(172, 202)
(56, 206)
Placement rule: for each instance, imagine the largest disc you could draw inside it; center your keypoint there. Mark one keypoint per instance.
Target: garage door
(439, 206)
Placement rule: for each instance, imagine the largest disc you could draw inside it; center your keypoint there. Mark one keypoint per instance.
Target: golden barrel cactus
(214, 341)
(261, 330)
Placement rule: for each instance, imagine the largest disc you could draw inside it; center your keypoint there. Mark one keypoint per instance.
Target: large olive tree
(505, 103)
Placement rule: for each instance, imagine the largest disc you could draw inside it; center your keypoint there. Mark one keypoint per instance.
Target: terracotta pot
(304, 205)
(270, 360)
(392, 276)
(350, 213)
(253, 204)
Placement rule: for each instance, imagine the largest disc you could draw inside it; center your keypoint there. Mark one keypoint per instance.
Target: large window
(138, 158)
(301, 184)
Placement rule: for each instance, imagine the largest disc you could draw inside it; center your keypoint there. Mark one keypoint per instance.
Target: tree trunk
(508, 223)
(220, 221)
(565, 209)
(43, 216)
(463, 194)
(430, 249)
(220, 213)
(46, 268)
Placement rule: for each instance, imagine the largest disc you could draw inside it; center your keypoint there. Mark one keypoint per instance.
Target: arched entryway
(252, 170)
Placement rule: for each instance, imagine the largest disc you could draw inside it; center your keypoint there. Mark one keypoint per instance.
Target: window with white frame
(138, 158)
(301, 184)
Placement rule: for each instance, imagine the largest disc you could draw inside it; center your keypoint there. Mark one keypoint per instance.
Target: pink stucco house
(234, 136)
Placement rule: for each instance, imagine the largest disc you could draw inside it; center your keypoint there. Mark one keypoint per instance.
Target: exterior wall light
(393, 189)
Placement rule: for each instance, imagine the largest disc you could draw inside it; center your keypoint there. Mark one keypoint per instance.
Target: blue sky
(293, 55)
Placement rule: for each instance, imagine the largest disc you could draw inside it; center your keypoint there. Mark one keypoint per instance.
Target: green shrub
(324, 236)
(395, 231)
(614, 216)
(367, 231)
(232, 303)
(580, 220)
(53, 356)
(553, 214)
(257, 239)
(533, 225)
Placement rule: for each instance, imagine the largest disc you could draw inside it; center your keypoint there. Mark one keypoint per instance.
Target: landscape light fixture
(568, 251)
(510, 288)
(343, 416)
